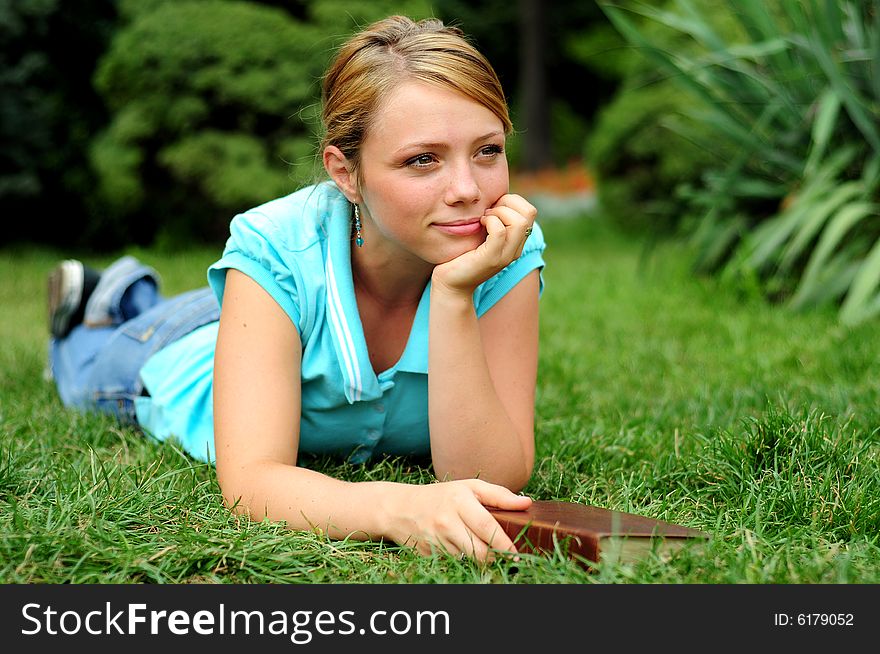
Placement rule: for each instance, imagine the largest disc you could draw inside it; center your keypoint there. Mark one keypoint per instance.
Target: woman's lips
(461, 229)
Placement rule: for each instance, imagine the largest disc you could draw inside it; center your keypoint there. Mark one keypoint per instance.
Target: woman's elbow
(234, 487)
(521, 480)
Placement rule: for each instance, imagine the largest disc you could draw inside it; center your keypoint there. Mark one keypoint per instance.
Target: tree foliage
(216, 99)
(48, 112)
(209, 97)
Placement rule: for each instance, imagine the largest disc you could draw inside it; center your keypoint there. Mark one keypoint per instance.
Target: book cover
(592, 533)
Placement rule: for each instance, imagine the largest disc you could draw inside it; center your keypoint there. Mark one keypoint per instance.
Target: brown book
(591, 533)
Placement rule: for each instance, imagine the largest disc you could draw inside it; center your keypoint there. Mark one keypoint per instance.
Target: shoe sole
(65, 293)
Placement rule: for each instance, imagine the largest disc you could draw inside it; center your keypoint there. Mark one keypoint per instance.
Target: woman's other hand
(508, 224)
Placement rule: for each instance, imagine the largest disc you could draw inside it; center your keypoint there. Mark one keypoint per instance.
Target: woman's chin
(460, 246)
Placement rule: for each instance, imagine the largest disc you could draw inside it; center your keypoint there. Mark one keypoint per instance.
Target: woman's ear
(339, 168)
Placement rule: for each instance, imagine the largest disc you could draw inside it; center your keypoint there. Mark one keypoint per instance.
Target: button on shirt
(298, 248)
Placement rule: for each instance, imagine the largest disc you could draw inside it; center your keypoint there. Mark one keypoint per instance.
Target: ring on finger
(528, 231)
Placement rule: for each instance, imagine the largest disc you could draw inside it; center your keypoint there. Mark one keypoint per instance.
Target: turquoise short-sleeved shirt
(298, 248)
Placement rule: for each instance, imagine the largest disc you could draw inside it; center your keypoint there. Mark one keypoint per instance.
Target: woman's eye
(491, 150)
(421, 161)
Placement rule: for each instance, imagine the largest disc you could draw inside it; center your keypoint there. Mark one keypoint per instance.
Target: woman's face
(431, 163)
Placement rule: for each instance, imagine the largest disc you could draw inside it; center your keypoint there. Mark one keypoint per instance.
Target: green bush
(795, 209)
(640, 160)
(214, 109)
(206, 97)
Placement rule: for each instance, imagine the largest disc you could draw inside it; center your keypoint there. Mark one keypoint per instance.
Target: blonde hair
(397, 49)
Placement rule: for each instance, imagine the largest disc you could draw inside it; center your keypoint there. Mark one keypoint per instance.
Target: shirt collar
(415, 355)
(361, 383)
(344, 321)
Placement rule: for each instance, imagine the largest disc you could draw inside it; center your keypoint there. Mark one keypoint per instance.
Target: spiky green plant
(799, 97)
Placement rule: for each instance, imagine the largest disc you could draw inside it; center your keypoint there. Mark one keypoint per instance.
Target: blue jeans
(97, 368)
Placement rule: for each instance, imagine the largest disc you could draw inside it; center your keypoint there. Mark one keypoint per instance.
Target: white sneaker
(65, 295)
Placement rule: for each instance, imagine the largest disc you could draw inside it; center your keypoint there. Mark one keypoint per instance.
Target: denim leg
(72, 358)
(114, 380)
(97, 366)
(138, 298)
(105, 305)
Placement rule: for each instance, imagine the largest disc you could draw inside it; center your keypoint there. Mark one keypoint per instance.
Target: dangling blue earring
(359, 239)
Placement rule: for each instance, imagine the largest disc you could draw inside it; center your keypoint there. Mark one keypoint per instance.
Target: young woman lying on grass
(335, 302)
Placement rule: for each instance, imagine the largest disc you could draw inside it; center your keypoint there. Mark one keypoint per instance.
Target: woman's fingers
(496, 237)
(462, 543)
(450, 547)
(505, 239)
(486, 530)
(499, 497)
(463, 526)
(519, 204)
(517, 215)
(474, 540)
(508, 224)
(516, 223)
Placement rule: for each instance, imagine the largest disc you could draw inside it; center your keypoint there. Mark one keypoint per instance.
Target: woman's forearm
(310, 501)
(471, 433)
(428, 517)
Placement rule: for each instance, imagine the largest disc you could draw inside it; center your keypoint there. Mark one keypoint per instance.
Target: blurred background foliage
(152, 122)
(748, 128)
(645, 145)
(786, 97)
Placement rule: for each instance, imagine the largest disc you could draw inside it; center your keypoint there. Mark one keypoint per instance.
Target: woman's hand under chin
(508, 224)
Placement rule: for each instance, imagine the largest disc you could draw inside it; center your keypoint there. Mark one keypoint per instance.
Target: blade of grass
(873, 48)
(831, 282)
(757, 21)
(827, 111)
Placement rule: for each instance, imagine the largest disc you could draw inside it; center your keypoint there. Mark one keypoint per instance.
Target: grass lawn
(658, 394)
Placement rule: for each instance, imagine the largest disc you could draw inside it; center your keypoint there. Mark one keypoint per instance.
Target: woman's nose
(463, 187)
